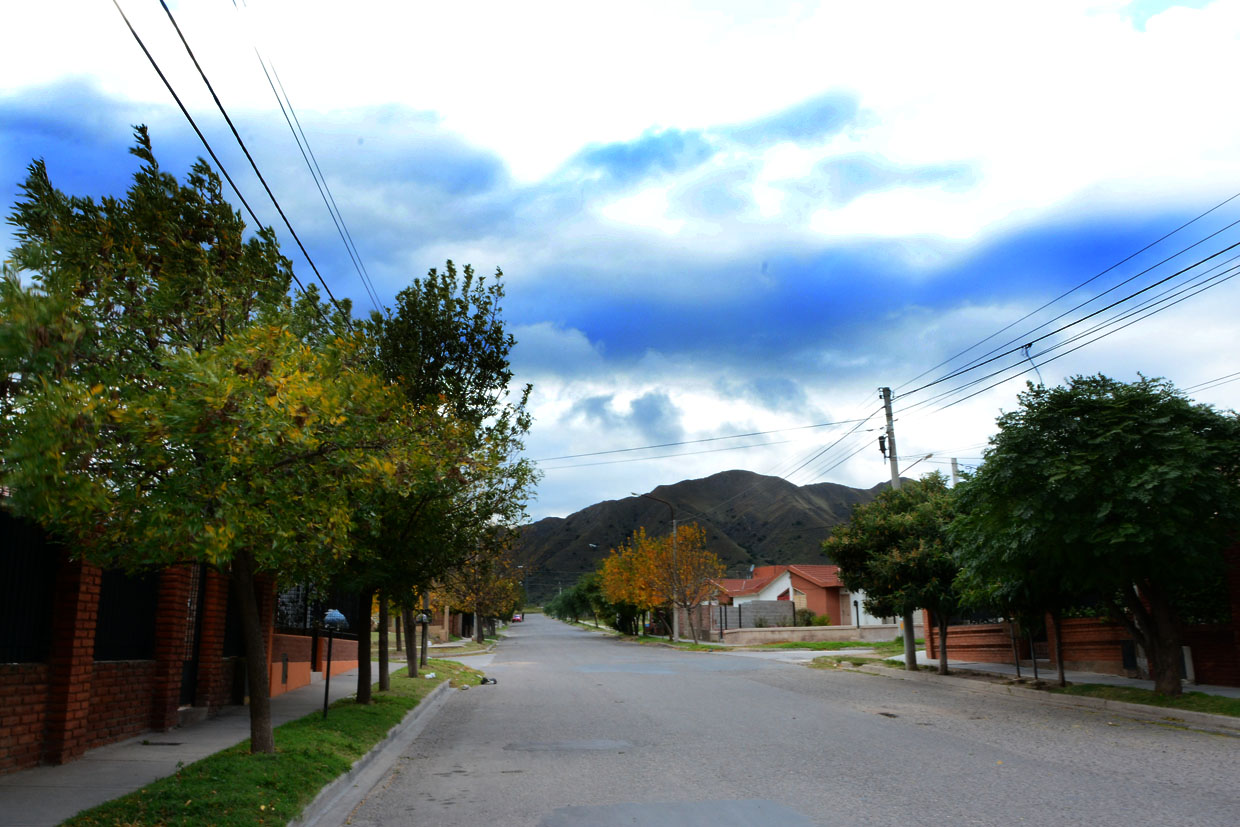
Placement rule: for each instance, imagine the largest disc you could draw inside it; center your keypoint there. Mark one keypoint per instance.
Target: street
(584, 729)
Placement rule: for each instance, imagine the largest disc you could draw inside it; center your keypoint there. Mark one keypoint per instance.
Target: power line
(201, 137)
(1085, 318)
(1089, 280)
(667, 456)
(320, 180)
(253, 164)
(698, 441)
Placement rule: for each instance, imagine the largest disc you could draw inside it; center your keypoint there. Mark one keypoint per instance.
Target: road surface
(582, 729)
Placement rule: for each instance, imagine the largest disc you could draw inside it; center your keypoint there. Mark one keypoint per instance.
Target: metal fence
(28, 564)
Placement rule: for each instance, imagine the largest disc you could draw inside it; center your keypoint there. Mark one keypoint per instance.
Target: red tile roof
(826, 577)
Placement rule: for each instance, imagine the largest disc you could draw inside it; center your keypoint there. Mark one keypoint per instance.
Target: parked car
(517, 618)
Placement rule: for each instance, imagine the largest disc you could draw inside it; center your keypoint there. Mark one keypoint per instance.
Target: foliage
(164, 401)
(445, 348)
(674, 570)
(895, 549)
(233, 788)
(806, 617)
(1121, 492)
(1189, 701)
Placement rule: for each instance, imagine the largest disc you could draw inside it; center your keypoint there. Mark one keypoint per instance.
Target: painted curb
(1224, 724)
(330, 795)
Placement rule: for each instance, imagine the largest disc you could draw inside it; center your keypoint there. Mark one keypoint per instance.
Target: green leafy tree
(894, 548)
(1126, 491)
(161, 405)
(445, 348)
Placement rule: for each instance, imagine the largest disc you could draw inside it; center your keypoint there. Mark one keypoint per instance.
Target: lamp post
(333, 621)
(675, 573)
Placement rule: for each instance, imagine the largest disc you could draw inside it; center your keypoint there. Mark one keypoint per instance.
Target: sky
(714, 219)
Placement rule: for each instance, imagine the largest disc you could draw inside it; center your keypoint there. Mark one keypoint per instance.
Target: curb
(1223, 724)
(332, 797)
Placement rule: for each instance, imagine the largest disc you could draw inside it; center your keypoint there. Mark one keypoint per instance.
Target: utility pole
(910, 645)
(891, 439)
(955, 472)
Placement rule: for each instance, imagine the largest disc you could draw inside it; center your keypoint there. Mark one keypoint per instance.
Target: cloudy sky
(715, 218)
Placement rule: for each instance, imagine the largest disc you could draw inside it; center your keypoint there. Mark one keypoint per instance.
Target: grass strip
(814, 645)
(1189, 701)
(233, 787)
(836, 661)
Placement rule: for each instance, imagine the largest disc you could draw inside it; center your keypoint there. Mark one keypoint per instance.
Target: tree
(650, 572)
(446, 350)
(1123, 491)
(159, 405)
(894, 549)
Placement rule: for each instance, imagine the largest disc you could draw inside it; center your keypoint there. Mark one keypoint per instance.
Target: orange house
(814, 587)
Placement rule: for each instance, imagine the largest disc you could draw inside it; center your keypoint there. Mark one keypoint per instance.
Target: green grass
(814, 645)
(835, 661)
(1189, 701)
(680, 644)
(894, 647)
(233, 787)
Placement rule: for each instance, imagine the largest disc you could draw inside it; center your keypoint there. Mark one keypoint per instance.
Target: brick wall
(120, 692)
(1216, 656)
(297, 649)
(979, 643)
(23, 687)
(344, 655)
(72, 661)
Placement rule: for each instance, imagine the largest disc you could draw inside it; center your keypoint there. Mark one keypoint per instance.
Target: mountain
(750, 519)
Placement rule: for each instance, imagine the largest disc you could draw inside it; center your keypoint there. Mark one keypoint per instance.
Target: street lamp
(675, 574)
(334, 622)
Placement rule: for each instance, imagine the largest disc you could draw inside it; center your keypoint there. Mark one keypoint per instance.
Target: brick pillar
(71, 664)
(211, 691)
(170, 630)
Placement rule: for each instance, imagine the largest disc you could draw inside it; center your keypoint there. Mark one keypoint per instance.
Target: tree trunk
(1165, 646)
(411, 643)
(1056, 618)
(385, 682)
(941, 618)
(479, 636)
(692, 625)
(1033, 654)
(399, 624)
(1015, 648)
(426, 611)
(262, 738)
(910, 643)
(363, 649)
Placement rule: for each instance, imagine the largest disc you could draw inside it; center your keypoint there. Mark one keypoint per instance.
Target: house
(91, 656)
(814, 587)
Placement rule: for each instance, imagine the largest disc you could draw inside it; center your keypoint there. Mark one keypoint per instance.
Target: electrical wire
(237, 135)
(1089, 280)
(201, 137)
(698, 441)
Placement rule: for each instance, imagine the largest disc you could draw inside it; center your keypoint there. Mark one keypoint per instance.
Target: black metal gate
(193, 633)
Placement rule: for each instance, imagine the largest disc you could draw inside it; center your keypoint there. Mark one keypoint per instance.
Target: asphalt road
(585, 730)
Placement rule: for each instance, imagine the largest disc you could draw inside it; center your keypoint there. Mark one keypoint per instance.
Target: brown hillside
(749, 519)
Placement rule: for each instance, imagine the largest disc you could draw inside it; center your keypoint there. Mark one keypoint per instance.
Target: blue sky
(713, 219)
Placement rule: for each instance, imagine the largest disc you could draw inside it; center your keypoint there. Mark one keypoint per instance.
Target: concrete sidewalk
(48, 795)
(1046, 672)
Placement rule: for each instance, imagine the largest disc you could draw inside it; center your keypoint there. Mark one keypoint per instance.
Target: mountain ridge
(749, 519)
